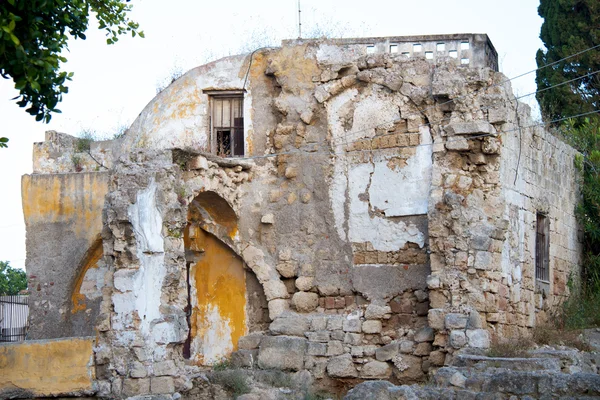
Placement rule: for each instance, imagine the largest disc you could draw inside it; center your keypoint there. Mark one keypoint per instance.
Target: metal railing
(14, 311)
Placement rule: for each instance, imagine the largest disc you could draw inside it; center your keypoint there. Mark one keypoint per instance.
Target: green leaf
(15, 39)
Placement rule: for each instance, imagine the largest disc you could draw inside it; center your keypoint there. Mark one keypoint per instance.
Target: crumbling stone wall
(376, 211)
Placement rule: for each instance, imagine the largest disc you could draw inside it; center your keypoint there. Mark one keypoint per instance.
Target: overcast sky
(112, 84)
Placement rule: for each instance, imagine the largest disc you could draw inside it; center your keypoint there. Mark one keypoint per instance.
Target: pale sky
(112, 84)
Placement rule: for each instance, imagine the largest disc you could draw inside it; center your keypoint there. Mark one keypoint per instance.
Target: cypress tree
(570, 26)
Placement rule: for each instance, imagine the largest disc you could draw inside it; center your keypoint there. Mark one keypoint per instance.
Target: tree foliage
(12, 280)
(34, 35)
(570, 26)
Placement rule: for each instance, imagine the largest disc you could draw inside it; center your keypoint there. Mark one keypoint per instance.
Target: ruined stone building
(358, 208)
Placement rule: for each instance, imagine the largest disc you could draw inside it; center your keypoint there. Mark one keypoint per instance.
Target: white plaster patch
(147, 226)
(216, 343)
(333, 54)
(384, 234)
(339, 183)
(404, 191)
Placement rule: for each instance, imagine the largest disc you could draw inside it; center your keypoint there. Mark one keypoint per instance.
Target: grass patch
(276, 378)
(222, 365)
(511, 348)
(550, 335)
(234, 380)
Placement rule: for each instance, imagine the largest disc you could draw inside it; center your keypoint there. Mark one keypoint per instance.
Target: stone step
(449, 383)
(517, 382)
(483, 363)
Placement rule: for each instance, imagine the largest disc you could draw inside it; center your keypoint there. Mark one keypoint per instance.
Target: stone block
(341, 367)
(337, 335)
(469, 128)
(277, 307)
(318, 323)
(423, 349)
(458, 339)
(387, 352)
(133, 387)
(198, 162)
(435, 319)
(353, 338)
(372, 326)
(282, 352)
(457, 379)
(352, 325)
(305, 301)
(483, 260)
(287, 269)
(409, 368)
(162, 385)
(268, 219)
(407, 346)
(335, 348)
(318, 336)
(163, 368)
(424, 334)
(317, 349)
(335, 322)
(371, 391)
(457, 144)
(479, 338)
(376, 370)
(305, 283)
(244, 358)
(456, 321)
(137, 370)
(369, 350)
(290, 325)
(437, 358)
(374, 311)
(250, 342)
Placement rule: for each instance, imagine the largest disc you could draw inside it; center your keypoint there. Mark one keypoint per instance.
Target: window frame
(234, 128)
(542, 248)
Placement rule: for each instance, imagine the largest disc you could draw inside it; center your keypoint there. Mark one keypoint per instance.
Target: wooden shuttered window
(227, 125)
(542, 248)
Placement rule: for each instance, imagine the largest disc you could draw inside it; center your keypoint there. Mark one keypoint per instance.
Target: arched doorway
(225, 300)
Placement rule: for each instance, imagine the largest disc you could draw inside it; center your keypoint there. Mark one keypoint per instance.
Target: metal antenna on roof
(299, 22)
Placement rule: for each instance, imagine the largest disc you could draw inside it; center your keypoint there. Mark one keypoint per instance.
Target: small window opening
(429, 55)
(227, 122)
(542, 248)
(406, 53)
(370, 49)
(464, 61)
(453, 53)
(393, 48)
(440, 47)
(464, 45)
(417, 48)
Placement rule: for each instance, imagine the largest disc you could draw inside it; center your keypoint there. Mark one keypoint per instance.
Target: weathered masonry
(358, 208)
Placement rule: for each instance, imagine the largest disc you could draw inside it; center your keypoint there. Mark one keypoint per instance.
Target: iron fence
(14, 311)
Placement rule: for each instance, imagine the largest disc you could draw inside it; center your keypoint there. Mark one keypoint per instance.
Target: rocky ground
(545, 372)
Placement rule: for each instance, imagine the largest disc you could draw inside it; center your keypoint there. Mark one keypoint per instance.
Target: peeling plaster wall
(47, 368)
(63, 218)
(179, 116)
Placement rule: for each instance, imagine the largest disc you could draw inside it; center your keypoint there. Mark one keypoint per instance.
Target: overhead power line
(470, 137)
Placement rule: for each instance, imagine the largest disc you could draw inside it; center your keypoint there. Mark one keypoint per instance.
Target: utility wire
(345, 136)
(448, 118)
(470, 137)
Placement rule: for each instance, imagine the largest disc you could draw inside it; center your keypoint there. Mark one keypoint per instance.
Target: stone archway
(225, 300)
